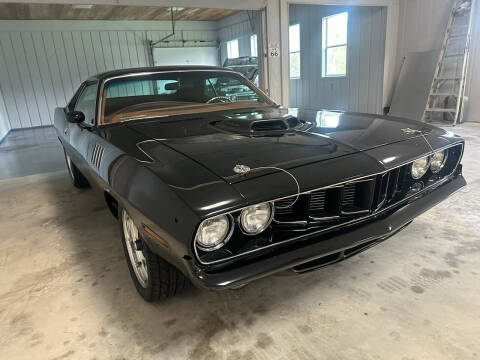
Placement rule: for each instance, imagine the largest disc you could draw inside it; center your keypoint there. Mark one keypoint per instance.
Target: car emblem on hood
(408, 131)
(241, 169)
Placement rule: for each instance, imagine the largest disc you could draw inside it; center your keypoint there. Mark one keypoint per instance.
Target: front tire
(78, 180)
(153, 277)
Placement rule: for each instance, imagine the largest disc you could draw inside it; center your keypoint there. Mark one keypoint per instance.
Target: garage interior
(66, 293)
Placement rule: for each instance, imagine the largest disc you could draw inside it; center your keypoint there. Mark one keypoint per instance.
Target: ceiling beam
(225, 4)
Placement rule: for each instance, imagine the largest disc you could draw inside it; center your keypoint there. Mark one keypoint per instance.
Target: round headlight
(256, 218)
(438, 161)
(419, 167)
(213, 233)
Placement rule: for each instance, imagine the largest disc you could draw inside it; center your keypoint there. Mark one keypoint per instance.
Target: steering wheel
(222, 99)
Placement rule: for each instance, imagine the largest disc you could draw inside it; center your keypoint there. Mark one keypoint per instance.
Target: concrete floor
(65, 291)
(30, 151)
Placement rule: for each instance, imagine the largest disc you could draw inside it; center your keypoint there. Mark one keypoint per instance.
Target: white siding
(43, 63)
(361, 90)
(422, 25)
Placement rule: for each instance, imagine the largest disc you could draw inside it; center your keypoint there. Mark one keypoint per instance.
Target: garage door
(185, 56)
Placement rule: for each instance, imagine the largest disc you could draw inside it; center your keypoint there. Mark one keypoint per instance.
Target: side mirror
(75, 117)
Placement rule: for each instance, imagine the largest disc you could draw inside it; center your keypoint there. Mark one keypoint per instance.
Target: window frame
(238, 49)
(325, 47)
(299, 51)
(73, 106)
(73, 102)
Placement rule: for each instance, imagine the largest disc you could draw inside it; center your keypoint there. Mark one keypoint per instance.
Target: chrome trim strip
(354, 212)
(138, 145)
(373, 214)
(314, 218)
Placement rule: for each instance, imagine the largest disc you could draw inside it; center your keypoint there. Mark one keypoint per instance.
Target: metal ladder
(445, 98)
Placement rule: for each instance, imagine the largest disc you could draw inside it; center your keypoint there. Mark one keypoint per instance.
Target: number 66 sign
(273, 52)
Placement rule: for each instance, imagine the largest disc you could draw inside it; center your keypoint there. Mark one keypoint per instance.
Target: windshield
(176, 93)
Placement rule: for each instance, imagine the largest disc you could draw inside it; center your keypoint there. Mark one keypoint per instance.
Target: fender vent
(97, 155)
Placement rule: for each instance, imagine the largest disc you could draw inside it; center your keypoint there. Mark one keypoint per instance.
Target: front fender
(151, 202)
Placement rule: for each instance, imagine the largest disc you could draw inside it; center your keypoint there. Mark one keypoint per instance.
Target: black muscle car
(213, 182)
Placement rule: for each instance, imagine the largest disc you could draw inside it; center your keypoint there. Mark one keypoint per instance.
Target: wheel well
(112, 203)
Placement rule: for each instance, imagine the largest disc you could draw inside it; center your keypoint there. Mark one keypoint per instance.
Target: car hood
(221, 140)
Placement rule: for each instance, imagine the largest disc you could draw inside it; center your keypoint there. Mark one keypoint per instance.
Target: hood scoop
(268, 125)
(258, 127)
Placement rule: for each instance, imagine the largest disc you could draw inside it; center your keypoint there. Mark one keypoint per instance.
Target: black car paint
(171, 173)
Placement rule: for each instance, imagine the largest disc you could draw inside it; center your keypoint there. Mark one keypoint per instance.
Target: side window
(86, 103)
(73, 101)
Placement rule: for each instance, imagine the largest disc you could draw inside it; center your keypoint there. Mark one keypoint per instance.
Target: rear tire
(153, 277)
(78, 180)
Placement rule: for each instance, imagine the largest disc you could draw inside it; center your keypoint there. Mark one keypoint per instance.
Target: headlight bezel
(264, 227)
(427, 167)
(221, 243)
(234, 222)
(444, 161)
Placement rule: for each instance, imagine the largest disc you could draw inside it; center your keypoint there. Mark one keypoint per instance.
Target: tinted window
(173, 93)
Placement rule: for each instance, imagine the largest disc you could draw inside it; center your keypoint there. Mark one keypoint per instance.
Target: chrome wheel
(135, 249)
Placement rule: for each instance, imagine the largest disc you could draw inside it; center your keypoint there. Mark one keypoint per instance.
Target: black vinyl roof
(119, 72)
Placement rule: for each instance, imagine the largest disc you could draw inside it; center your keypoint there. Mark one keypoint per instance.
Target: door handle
(65, 131)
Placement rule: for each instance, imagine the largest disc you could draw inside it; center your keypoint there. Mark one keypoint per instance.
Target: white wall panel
(4, 122)
(362, 88)
(422, 25)
(12, 81)
(43, 62)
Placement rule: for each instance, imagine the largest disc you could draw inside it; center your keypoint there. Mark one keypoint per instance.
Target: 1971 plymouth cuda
(213, 182)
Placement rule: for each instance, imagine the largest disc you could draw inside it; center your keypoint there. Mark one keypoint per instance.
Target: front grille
(330, 204)
(348, 198)
(355, 199)
(284, 207)
(317, 201)
(334, 207)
